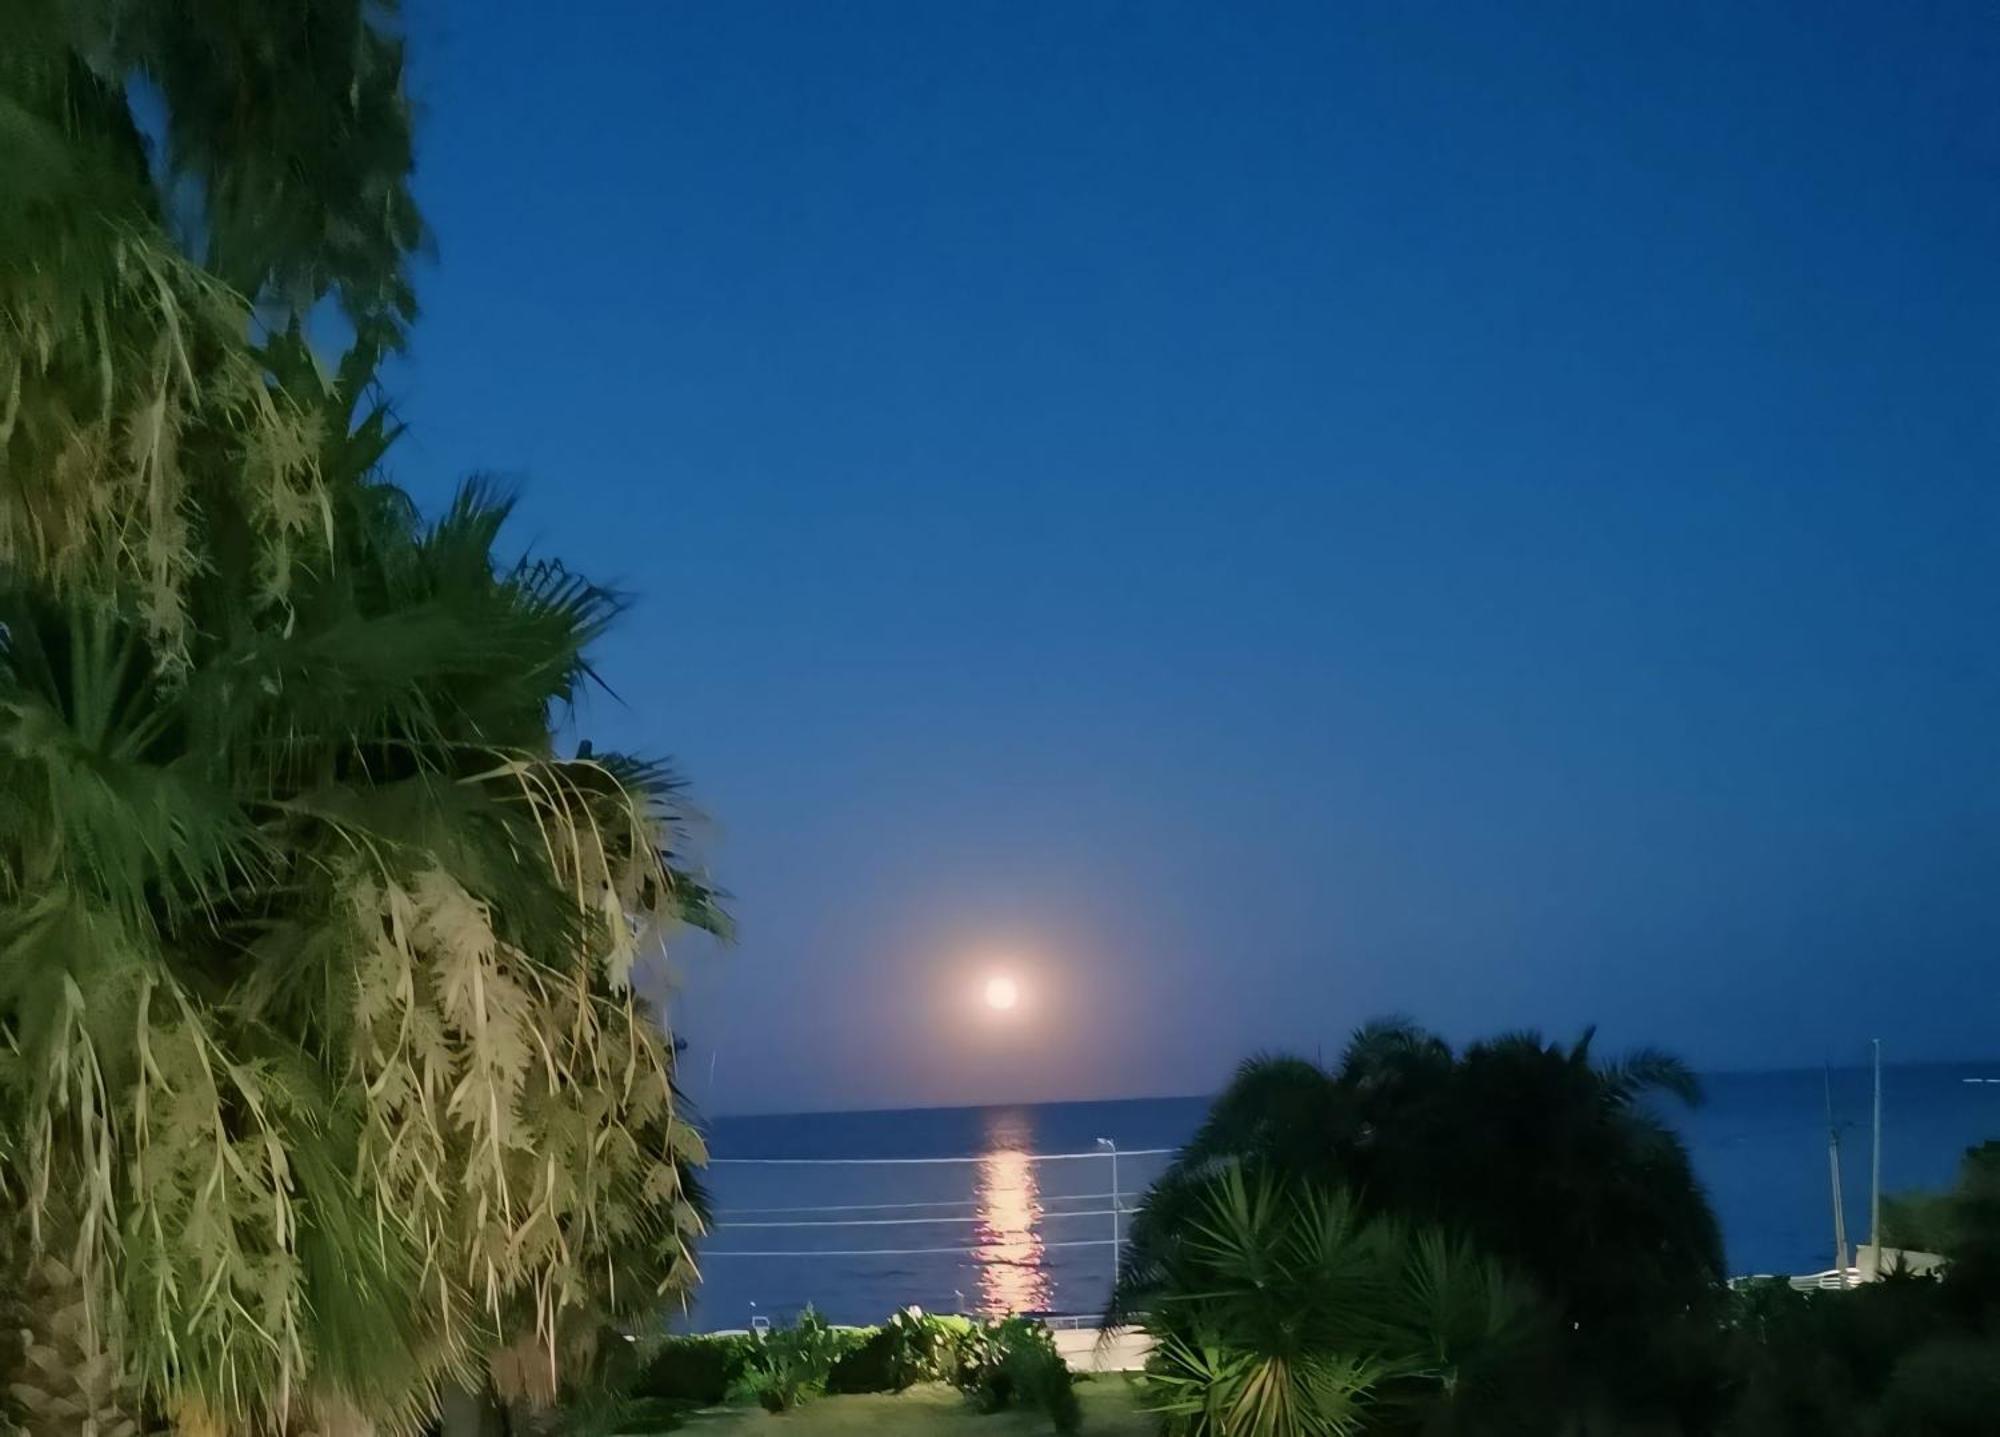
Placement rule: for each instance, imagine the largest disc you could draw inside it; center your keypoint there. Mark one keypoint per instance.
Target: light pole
(1875, 1172)
(1116, 1201)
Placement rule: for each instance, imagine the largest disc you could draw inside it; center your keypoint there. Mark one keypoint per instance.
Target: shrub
(1038, 1377)
(1584, 1192)
(871, 1367)
(910, 1347)
(1830, 1364)
(926, 1347)
(1946, 1388)
(1014, 1363)
(1918, 1221)
(790, 1365)
(1203, 1387)
(695, 1370)
(997, 1365)
(1279, 1309)
(1975, 1219)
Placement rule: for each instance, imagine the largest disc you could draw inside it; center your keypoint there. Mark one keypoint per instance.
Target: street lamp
(1116, 1201)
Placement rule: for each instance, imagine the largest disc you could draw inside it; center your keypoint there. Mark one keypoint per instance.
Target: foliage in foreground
(322, 1081)
(1962, 1223)
(1582, 1191)
(167, 165)
(1909, 1356)
(790, 1365)
(315, 961)
(1557, 1273)
(1014, 1363)
(911, 1347)
(998, 1365)
(1278, 1308)
(696, 1370)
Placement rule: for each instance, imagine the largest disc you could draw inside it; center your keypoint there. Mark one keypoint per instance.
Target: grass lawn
(1110, 1409)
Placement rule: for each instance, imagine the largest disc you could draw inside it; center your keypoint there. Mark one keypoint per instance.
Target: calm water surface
(999, 1232)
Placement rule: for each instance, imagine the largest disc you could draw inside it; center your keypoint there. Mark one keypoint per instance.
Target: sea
(1018, 1209)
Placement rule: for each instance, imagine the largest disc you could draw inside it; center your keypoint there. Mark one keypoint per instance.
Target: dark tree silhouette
(1561, 1166)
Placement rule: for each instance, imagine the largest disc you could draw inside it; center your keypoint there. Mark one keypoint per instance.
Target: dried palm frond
(322, 991)
(321, 1074)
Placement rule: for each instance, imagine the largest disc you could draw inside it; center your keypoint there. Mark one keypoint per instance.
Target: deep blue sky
(1267, 514)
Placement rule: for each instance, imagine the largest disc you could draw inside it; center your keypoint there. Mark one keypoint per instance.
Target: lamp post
(1875, 1172)
(1116, 1201)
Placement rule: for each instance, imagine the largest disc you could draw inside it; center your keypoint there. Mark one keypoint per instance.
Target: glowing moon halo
(1001, 993)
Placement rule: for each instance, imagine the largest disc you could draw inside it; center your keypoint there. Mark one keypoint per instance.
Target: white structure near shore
(1088, 1349)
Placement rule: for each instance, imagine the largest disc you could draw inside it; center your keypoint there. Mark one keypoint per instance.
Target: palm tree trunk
(64, 1380)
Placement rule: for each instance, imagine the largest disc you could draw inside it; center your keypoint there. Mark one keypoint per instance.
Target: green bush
(1585, 1196)
(1279, 1308)
(998, 1365)
(1874, 1360)
(695, 1370)
(1919, 1221)
(1975, 1258)
(790, 1365)
(1200, 1386)
(910, 1347)
(1014, 1363)
(871, 1367)
(1038, 1377)
(1946, 1388)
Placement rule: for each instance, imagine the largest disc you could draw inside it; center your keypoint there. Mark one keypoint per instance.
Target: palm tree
(1280, 1308)
(322, 1080)
(1584, 1183)
(1557, 1165)
(276, 175)
(325, 943)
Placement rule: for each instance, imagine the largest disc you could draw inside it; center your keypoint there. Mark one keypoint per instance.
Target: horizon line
(1000, 1104)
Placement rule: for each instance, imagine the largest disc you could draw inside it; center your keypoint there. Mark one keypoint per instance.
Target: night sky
(1255, 516)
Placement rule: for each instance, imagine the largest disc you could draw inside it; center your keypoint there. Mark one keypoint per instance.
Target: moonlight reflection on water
(1009, 1252)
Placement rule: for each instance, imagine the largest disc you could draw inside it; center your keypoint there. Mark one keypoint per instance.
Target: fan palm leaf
(322, 1075)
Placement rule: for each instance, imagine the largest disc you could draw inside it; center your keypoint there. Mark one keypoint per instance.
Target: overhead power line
(912, 1221)
(1043, 1198)
(906, 1162)
(909, 1251)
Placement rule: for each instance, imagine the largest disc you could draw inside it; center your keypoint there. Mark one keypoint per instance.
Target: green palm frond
(1274, 1107)
(1650, 1070)
(321, 1073)
(1387, 1046)
(1205, 1387)
(1523, 1206)
(334, 882)
(293, 124)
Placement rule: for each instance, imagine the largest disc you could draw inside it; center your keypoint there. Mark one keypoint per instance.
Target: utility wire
(940, 1202)
(912, 1221)
(910, 1251)
(1100, 1155)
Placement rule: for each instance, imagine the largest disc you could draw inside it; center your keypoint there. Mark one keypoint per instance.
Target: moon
(1001, 993)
